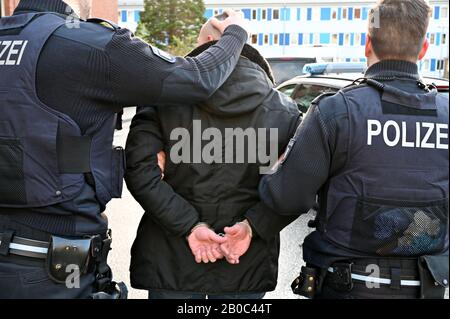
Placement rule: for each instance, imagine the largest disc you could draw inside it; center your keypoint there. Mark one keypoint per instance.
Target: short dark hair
(398, 28)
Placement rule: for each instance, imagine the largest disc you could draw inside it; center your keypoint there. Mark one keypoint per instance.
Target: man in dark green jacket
(203, 190)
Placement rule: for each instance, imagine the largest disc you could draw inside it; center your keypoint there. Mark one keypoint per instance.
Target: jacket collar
(394, 68)
(57, 6)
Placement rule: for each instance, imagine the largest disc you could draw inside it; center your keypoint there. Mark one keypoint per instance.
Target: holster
(307, 283)
(433, 271)
(66, 256)
(85, 255)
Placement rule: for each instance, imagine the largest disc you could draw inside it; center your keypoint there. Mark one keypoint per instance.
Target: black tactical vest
(391, 198)
(44, 158)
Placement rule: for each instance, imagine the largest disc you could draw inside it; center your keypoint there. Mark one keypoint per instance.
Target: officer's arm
(265, 222)
(140, 75)
(144, 177)
(293, 188)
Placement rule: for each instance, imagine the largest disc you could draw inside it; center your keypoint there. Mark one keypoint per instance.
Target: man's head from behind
(208, 33)
(81, 7)
(397, 31)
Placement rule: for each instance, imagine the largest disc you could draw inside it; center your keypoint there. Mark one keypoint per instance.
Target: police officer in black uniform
(377, 156)
(62, 84)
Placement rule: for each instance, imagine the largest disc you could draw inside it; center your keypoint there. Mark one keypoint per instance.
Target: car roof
(339, 81)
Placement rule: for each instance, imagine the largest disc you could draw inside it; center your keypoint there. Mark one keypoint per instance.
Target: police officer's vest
(44, 158)
(391, 197)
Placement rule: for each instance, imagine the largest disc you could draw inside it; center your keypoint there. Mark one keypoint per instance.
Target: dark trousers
(191, 296)
(24, 280)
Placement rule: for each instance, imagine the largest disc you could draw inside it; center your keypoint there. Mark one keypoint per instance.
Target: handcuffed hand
(238, 242)
(162, 162)
(234, 18)
(205, 244)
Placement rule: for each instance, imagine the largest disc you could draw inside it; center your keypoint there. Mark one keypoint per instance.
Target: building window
(357, 13)
(124, 16)
(299, 14)
(350, 13)
(276, 14)
(334, 14)
(341, 39)
(363, 39)
(309, 14)
(432, 38)
(266, 39)
(300, 39)
(264, 14)
(426, 65)
(365, 13)
(276, 39)
(260, 39)
(444, 12)
(325, 14)
(324, 38)
(254, 38)
(247, 13)
(433, 65)
(334, 39)
(254, 14)
(285, 14)
(344, 13)
(437, 11)
(347, 39)
(137, 16)
(130, 15)
(440, 65)
(444, 38)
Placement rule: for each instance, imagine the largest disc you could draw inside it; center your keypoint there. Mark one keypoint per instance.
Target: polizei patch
(416, 135)
(11, 52)
(163, 55)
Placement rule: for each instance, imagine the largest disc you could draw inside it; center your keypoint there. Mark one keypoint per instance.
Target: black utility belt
(428, 274)
(63, 256)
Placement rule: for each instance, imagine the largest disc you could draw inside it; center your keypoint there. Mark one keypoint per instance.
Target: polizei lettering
(425, 135)
(11, 52)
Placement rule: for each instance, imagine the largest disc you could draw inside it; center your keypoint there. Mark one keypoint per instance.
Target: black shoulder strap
(105, 23)
(321, 97)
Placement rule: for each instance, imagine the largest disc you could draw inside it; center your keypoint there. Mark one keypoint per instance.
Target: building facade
(331, 30)
(105, 9)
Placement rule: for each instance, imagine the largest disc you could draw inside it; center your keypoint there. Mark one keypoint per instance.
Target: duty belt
(345, 273)
(23, 247)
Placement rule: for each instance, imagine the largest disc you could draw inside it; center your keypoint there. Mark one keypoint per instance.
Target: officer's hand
(205, 244)
(239, 238)
(234, 18)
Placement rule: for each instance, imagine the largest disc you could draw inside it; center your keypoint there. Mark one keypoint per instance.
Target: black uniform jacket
(93, 71)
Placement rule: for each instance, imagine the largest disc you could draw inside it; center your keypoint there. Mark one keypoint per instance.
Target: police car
(331, 77)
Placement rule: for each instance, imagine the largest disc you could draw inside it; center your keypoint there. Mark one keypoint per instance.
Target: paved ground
(125, 214)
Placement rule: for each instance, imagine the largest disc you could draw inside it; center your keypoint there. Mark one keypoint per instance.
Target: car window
(288, 90)
(306, 93)
(286, 70)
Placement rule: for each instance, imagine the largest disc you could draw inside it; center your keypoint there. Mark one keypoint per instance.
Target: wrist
(237, 31)
(246, 224)
(197, 226)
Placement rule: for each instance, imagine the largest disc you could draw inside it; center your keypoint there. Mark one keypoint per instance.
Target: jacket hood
(249, 85)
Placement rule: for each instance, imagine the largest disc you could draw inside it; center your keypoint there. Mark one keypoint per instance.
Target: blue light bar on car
(327, 68)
